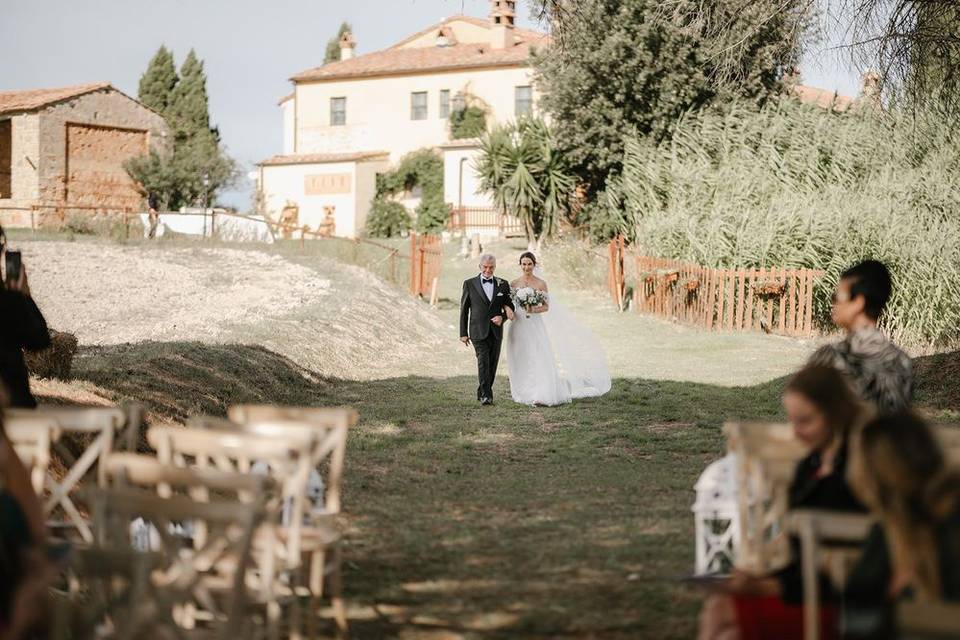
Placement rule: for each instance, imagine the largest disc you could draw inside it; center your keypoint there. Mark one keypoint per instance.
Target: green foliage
(332, 54)
(795, 186)
(424, 169)
(468, 122)
(606, 215)
(387, 219)
(177, 173)
(616, 66)
(189, 112)
(521, 167)
(159, 81)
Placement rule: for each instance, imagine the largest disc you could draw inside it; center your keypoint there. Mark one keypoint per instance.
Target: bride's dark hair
(528, 254)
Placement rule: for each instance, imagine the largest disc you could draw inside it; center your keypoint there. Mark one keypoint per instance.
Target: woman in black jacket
(21, 327)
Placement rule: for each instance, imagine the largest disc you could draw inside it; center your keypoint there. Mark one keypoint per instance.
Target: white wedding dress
(553, 358)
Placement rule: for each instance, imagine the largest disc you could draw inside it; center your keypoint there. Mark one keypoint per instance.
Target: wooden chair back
(766, 455)
(188, 583)
(289, 457)
(32, 437)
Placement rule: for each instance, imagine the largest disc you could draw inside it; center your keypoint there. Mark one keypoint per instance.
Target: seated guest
(823, 411)
(900, 470)
(21, 327)
(24, 570)
(879, 371)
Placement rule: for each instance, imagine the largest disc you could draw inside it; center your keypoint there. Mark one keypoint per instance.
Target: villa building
(349, 120)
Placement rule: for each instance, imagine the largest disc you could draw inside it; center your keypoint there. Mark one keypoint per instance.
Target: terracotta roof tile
(321, 158)
(398, 60)
(403, 61)
(33, 99)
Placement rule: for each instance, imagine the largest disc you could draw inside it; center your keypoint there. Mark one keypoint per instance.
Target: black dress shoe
(486, 401)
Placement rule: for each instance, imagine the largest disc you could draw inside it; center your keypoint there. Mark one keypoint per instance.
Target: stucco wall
(471, 194)
(378, 109)
(464, 32)
(287, 109)
(288, 182)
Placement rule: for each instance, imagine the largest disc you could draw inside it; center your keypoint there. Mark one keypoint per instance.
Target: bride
(552, 357)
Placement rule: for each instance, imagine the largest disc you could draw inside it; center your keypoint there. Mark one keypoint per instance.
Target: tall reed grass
(796, 186)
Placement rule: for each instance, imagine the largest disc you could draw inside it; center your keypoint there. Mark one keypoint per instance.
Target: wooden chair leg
(336, 598)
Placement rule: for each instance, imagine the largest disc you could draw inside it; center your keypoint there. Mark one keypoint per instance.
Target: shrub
(387, 219)
(796, 186)
(468, 122)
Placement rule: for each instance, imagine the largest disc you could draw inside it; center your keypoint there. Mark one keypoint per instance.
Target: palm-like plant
(521, 167)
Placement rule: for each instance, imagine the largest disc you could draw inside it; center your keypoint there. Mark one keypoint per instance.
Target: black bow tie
(485, 281)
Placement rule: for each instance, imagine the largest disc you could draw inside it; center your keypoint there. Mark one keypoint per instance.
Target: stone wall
(83, 144)
(24, 156)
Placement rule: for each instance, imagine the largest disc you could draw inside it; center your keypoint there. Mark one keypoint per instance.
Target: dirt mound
(330, 318)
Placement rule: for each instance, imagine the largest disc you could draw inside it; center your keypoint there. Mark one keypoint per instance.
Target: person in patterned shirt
(879, 371)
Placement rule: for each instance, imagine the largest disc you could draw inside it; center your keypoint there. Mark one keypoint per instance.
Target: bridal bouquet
(528, 297)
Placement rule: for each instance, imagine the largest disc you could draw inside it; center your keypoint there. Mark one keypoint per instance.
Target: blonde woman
(900, 471)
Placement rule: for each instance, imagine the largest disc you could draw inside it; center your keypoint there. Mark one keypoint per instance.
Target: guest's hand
(21, 284)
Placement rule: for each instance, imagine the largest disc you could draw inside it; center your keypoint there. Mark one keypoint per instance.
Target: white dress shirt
(487, 288)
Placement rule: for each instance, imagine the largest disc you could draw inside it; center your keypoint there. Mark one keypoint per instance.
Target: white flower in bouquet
(528, 297)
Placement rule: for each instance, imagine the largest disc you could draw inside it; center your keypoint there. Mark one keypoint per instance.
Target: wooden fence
(617, 277)
(463, 219)
(426, 261)
(776, 300)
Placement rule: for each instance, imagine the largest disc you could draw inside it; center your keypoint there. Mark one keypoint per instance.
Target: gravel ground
(333, 319)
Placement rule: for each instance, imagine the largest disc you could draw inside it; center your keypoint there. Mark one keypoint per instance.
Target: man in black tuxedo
(484, 307)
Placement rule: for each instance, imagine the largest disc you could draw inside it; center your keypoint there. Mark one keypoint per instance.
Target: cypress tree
(190, 107)
(159, 81)
(333, 44)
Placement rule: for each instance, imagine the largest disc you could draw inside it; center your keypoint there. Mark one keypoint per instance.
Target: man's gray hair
(487, 257)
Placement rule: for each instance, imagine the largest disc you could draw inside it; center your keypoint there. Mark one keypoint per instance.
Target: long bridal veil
(579, 355)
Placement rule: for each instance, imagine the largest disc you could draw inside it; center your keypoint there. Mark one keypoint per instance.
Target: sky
(250, 48)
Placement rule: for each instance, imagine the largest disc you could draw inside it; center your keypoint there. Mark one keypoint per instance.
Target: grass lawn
(506, 521)
(469, 521)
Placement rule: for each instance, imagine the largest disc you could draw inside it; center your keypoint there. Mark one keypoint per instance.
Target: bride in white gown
(552, 358)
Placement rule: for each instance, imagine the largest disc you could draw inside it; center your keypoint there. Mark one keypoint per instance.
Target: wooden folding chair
(831, 540)
(32, 437)
(100, 424)
(767, 455)
(149, 594)
(321, 538)
(288, 458)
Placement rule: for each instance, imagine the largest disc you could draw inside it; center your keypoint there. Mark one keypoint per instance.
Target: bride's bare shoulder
(513, 283)
(541, 284)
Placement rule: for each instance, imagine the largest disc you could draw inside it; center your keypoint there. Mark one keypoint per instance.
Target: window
(523, 100)
(445, 103)
(6, 159)
(418, 105)
(338, 112)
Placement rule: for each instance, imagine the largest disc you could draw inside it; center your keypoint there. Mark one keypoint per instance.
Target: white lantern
(716, 517)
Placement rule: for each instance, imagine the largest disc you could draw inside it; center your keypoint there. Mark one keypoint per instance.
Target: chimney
(347, 46)
(502, 16)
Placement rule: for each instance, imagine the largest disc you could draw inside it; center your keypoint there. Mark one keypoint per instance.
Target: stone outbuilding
(62, 152)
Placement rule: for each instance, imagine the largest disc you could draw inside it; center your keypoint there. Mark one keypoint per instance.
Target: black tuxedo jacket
(476, 311)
